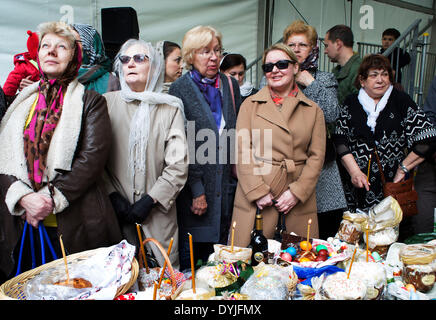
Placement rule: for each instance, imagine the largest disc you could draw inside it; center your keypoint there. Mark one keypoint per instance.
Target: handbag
(402, 191)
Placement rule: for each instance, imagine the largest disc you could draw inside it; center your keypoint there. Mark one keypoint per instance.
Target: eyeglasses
(138, 58)
(281, 64)
(208, 53)
(301, 45)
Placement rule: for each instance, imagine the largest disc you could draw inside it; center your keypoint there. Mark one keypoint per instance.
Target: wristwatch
(403, 167)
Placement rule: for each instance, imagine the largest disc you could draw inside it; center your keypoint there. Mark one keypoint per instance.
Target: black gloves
(135, 213)
(140, 209)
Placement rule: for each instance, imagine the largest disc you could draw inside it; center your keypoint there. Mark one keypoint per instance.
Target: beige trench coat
(297, 133)
(164, 178)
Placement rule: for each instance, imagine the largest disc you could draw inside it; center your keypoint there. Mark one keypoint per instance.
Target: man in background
(338, 43)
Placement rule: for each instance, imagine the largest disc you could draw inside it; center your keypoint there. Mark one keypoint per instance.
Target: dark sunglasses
(138, 58)
(281, 64)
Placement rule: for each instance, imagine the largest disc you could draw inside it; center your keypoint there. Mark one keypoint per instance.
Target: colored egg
(321, 258)
(321, 247)
(292, 251)
(323, 252)
(376, 256)
(286, 256)
(410, 287)
(305, 245)
(305, 260)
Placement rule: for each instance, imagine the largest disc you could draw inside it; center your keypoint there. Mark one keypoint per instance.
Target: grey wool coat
(329, 190)
(210, 170)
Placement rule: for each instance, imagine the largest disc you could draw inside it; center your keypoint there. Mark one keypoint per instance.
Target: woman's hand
(37, 206)
(199, 205)
(286, 202)
(265, 201)
(304, 77)
(359, 180)
(399, 175)
(25, 82)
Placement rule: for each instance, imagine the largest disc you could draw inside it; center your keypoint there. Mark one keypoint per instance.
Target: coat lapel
(268, 110)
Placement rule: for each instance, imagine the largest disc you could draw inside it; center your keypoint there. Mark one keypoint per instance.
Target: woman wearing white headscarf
(148, 163)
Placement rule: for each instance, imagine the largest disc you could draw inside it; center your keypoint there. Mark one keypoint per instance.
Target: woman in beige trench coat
(280, 152)
(148, 161)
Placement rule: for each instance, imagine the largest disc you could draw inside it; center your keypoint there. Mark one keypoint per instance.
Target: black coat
(213, 178)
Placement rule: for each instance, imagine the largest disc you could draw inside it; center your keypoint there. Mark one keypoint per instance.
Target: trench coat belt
(289, 164)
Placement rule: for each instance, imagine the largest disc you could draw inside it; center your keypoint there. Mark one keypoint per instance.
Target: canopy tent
(248, 26)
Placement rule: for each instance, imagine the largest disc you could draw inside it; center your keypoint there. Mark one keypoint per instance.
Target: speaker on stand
(117, 26)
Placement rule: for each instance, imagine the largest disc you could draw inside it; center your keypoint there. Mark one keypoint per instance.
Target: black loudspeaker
(118, 25)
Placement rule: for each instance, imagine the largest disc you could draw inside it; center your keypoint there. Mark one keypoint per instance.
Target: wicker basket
(13, 289)
(168, 265)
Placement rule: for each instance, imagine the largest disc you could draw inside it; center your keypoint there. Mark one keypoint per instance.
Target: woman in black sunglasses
(280, 152)
(148, 163)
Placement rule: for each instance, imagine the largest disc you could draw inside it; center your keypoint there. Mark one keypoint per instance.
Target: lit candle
(144, 258)
(191, 252)
(233, 233)
(165, 262)
(308, 231)
(65, 259)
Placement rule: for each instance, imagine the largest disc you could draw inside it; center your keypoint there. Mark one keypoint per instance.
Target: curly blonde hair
(300, 27)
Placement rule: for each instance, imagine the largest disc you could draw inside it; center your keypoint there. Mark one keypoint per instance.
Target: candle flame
(234, 224)
(310, 221)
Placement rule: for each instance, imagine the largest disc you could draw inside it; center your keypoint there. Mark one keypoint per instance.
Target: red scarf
(279, 100)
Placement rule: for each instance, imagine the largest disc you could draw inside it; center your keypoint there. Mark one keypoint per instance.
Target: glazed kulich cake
(337, 287)
(419, 265)
(349, 232)
(373, 275)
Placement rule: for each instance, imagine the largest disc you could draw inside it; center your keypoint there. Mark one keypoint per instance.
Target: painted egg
(286, 256)
(304, 260)
(321, 247)
(323, 252)
(410, 287)
(292, 251)
(305, 245)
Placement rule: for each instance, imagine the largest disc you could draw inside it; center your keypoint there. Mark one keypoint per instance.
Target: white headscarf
(149, 98)
(371, 108)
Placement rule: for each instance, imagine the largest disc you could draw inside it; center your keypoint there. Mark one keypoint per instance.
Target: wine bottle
(258, 244)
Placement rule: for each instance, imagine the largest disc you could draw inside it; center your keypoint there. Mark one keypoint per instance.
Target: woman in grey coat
(204, 206)
(321, 87)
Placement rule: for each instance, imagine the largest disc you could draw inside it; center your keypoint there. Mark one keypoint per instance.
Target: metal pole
(422, 68)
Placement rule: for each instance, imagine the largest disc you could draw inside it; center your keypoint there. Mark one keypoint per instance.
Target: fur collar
(64, 141)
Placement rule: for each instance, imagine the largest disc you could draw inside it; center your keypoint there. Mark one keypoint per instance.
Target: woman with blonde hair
(280, 152)
(211, 101)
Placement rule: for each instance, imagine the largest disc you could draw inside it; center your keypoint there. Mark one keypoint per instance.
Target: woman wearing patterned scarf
(95, 71)
(148, 162)
(54, 146)
(321, 87)
(205, 204)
